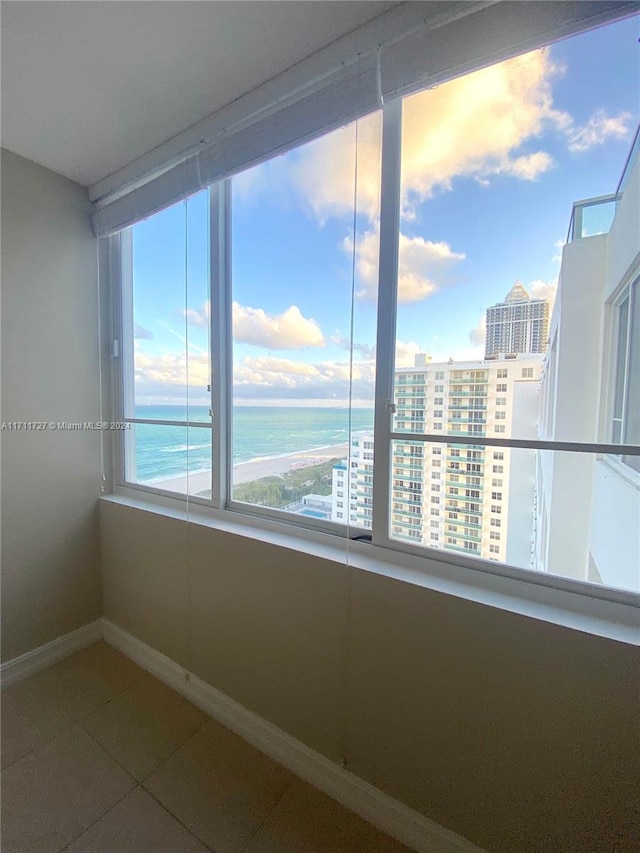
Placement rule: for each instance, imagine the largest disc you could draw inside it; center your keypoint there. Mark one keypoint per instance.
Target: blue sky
(491, 165)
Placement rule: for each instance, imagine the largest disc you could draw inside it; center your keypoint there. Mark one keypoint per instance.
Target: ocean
(258, 432)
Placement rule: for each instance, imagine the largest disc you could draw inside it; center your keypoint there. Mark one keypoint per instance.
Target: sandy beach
(246, 472)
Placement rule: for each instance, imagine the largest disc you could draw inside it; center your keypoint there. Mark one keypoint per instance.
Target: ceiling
(89, 86)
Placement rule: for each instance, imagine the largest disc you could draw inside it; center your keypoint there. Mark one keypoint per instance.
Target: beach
(255, 469)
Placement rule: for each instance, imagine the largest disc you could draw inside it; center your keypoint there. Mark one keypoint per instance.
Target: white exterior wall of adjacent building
(588, 506)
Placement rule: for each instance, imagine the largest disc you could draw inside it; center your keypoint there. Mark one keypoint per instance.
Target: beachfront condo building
(464, 497)
(520, 324)
(588, 505)
(460, 497)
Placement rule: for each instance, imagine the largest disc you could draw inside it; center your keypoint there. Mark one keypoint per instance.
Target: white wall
(50, 480)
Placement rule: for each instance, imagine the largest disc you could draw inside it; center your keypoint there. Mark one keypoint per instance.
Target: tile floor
(100, 757)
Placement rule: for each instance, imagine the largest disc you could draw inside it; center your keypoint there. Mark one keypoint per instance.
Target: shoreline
(254, 469)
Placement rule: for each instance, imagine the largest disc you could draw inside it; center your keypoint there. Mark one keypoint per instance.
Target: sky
(491, 165)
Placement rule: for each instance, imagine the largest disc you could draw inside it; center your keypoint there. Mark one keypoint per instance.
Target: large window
(382, 334)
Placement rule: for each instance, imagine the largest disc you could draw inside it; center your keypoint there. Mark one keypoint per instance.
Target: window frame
(221, 503)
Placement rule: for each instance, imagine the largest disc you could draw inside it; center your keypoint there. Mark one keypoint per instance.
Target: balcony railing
(592, 216)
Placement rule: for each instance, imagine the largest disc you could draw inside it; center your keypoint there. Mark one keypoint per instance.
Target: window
(260, 364)
(626, 386)
(494, 549)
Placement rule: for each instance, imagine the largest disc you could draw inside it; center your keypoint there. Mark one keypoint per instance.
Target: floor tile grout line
(177, 749)
(176, 818)
(245, 846)
(99, 818)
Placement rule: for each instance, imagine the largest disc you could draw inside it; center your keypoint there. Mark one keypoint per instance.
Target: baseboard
(399, 821)
(31, 662)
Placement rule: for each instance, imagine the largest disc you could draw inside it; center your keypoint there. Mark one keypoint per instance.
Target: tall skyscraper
(520, 324)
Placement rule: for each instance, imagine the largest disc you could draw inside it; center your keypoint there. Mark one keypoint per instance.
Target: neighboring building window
(499, 428)
(501, 401)
(626, 387)
(501, 387)
(501, 416)
(502, 373)
(498, 469)
(494, 549)
(527, 372)
(496, 522)
(439, 374)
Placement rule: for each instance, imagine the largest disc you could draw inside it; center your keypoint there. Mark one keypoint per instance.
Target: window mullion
(220, 325)
(387, 291)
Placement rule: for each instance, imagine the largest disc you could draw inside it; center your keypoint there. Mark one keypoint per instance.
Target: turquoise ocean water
(258, 432)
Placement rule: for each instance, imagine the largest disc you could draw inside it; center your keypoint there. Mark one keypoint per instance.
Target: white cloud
(170, 369)
(598, 129)
(289, 330)
(422, 265)
(325, 171)
(544, 290)
(406, 352)
(558, 246)
(140, 333)
(477, 127)
(477, 336)
(199, 316)
(365, 351)
(267, 378)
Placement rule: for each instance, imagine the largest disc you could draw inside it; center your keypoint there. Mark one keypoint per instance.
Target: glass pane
(304, 259)
(168, 366)
(172, 458)
(597, 218)
(568, 514)
(492, 163)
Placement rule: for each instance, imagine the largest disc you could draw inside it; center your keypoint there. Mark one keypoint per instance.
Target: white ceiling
(89, 86)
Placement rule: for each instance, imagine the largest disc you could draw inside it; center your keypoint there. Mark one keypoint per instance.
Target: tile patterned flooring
(98, 756)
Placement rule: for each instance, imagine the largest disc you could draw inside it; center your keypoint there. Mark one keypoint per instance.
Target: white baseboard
(394, 818)
(42, 657)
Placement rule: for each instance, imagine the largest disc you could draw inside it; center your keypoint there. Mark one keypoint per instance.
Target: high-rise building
(459, 497)
(520, 324)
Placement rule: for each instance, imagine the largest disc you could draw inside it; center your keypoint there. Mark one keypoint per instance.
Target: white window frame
(380, 535)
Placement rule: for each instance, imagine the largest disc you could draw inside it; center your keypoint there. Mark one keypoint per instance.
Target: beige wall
(50, 480)
(518, 734)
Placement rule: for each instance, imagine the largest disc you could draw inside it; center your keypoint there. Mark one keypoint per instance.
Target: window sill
(571, 604)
